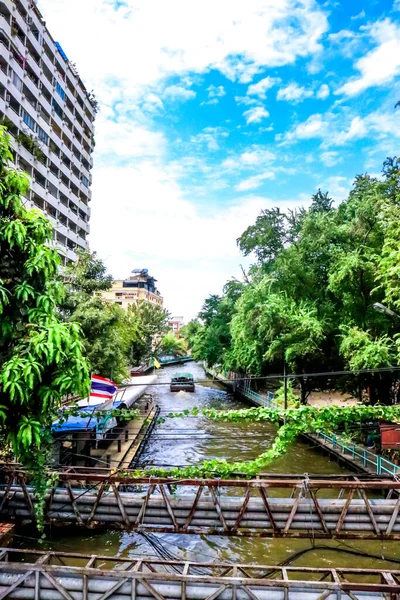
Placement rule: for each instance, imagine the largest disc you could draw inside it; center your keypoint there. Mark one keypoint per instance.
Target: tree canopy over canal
(309, 297)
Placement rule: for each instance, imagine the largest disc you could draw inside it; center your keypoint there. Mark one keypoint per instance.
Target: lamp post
(385, 310)
(285, 381)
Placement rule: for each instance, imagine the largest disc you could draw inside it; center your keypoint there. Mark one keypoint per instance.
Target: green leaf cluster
(41, 357)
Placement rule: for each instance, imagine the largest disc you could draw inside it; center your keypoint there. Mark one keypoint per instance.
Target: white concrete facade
(50, 115)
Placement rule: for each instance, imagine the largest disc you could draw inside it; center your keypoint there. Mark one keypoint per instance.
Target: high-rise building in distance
(49, 114)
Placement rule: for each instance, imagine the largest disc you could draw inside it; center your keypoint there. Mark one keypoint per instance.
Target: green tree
(170, 344)
(148, 323)
(41, 358)
(309, 298)
(107, 330)
(213, 340)
(188, 332)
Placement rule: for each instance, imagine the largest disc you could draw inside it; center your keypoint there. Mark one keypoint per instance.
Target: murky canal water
(179, 442)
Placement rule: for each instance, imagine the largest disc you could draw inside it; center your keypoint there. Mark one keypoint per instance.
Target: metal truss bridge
(35, 575)
(291, 506)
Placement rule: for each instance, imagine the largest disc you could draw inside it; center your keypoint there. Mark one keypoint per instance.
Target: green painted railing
(267, 400)
(362, 455)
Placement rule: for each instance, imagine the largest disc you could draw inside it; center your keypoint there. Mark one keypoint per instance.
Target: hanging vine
(297, 421)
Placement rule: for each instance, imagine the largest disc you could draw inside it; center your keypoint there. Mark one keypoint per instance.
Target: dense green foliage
(41, 357)
(148, 325)
(171, 344)
(114, 339)
(308, 299)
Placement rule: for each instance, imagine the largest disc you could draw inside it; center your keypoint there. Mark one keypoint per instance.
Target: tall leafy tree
(170, 344)
(107, 331)
(148, 324)
(41, 357)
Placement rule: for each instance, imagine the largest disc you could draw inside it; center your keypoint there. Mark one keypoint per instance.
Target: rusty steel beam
(210, 507)
(35, 575)
(272, 480)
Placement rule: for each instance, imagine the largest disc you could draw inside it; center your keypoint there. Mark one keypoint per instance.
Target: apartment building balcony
(46, 61)
(9, 4)
(35, 66)
(39, 189)
(5, 24)
(33, 39)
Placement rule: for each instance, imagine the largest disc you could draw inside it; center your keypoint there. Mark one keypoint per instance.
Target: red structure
(390, 435)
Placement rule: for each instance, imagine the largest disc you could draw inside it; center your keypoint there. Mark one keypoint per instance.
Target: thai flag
(102, 389)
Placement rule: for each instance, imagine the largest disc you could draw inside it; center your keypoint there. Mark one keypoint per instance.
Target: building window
(57, 109)
(85, 180)
(42, 135)
(17, 81)
(60, 91)
(29, 121)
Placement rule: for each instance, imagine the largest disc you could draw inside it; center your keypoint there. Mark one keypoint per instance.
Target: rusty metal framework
(35, 575)
(295, 506)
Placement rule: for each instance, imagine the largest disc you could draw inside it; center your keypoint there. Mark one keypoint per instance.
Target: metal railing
(263, 400)
(379, 464)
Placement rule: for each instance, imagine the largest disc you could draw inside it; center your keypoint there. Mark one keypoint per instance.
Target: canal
(188, 441)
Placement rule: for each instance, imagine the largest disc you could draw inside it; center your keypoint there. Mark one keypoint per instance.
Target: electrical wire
(390, 369)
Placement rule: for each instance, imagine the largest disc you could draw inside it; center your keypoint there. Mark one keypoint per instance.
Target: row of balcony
(63, 164)
(27, 18)
(43, 101)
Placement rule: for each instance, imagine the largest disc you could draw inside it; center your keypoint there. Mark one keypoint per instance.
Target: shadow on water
(188, 441)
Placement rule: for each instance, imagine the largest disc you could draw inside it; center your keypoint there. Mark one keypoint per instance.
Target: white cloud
(128, 140)
(356, 131)
(152, 103)
(346, 42)
(177, 92)
(361, 15)
(143, 42)
(255, 115)
(254, 182)
(339, 129)
(216, 91)
(165, 233)
(396, 5)
(311, 128)
(338, 187)
(259, 88)
(252, 158)
(256, 156)
(329, 159)
(323, 92)
(293, 93)
(209, 136)
(380, 65)
(128, 57)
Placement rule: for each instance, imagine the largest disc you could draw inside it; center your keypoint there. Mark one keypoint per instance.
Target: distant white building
(49, 114)
(176, 324)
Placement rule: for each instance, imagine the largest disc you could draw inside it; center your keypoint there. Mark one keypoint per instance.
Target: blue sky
(214, 110)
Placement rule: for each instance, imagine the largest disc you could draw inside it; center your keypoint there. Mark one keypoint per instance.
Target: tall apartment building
(50, 115)
(139, 287)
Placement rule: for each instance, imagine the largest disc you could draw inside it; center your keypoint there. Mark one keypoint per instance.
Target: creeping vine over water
(296, 421)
